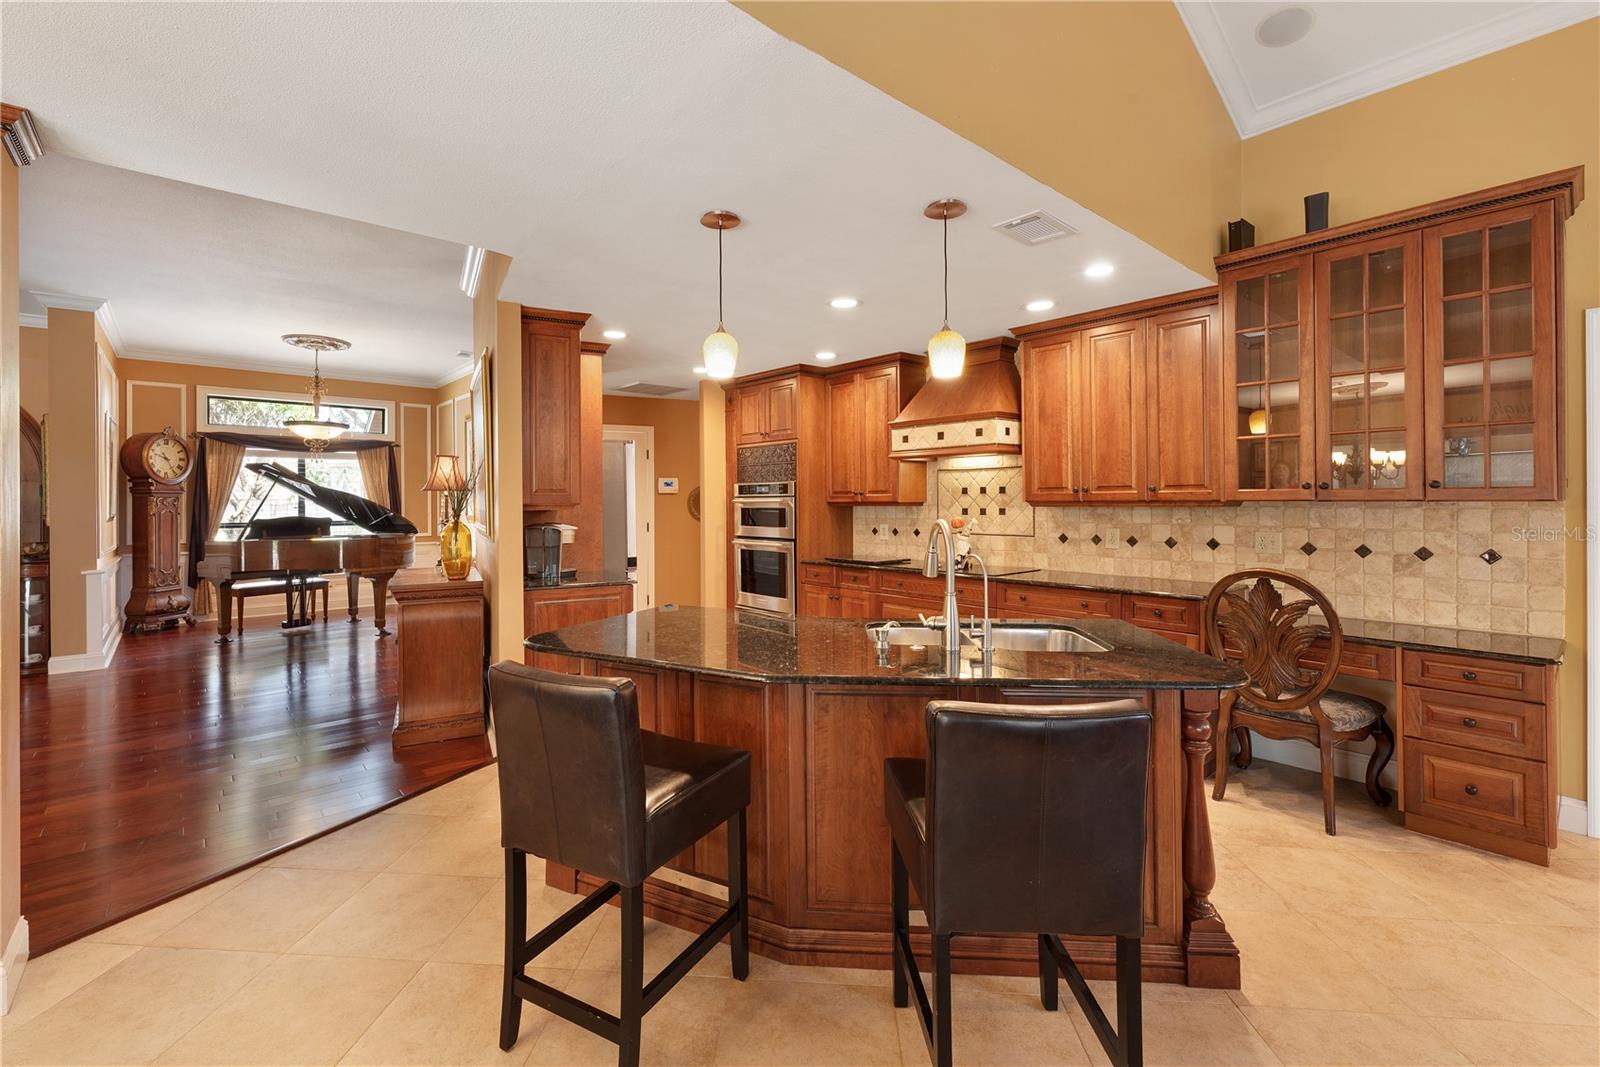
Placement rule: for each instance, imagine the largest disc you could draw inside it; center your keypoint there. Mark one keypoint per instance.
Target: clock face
(168, 459)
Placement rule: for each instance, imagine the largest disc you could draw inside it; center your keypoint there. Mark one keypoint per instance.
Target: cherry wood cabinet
(766, 412)
(1048, 426)
(861, 404)
(1183, 455)
(1109, 401)
(552, 607)
(552, 406)
(1269, 378)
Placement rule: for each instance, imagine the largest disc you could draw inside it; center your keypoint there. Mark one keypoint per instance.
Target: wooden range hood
(979, 413)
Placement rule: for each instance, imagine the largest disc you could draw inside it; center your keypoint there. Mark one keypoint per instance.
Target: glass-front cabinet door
(1369, 370)
(1491, 356)
(1268, 377)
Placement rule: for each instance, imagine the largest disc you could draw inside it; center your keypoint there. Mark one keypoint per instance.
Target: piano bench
(277, 586)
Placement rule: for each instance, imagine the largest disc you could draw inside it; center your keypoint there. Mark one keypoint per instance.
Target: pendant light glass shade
(947, 354)
(720, 354)
(316, 431)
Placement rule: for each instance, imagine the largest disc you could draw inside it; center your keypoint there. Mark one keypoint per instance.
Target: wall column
(713, 496)
(13, 928)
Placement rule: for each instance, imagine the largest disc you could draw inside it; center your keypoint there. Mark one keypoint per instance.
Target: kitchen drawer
(1163, 613)
(1357, 658)
(914, 584)
(1480, 790)
(1487, 724)
(819, 574)
(1469, 674)
(905, 609)
(858, 579)
(1025, 601)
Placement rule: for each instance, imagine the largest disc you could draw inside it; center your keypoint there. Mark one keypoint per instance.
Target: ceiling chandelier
(947, 350)
(316, 431)
(720, 353)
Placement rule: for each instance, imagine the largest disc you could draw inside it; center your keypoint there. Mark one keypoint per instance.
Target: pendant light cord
(946, 220)
(719, 279)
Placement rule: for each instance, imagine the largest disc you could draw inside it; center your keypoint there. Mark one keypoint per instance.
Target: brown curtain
(223, 462)
(375, 463)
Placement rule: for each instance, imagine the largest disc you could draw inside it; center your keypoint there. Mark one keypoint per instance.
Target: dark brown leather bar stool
(582, 785)
(1024, 820)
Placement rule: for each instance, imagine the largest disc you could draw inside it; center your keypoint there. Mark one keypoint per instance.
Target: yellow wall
(1519, 112)
(677, 455)
(34, 372)
(10, 587)
(1108, 103)
(74, 461)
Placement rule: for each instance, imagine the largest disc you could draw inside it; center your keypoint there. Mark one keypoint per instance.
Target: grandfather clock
(157, 465)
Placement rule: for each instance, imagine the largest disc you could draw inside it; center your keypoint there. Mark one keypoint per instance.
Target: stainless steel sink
(1036, 638)
(883, 635)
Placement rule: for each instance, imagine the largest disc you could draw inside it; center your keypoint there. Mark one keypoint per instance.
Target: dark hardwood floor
(187, 760)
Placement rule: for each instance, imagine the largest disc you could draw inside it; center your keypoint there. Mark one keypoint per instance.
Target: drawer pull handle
(1156, 612)
(1083, 604)
(1472, 790)
(1470, 676)
(1469, 723)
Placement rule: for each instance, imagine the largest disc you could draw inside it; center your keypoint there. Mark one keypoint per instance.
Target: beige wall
(1516, 113)
(10, 587)
(34, 370)
(74, 485)
(677, 455)
(714, 490)
(1107, 103)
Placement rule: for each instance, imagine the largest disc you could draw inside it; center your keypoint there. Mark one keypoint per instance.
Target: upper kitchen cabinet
(1122, 405)
(766, 412)
(861, 404)
(1412, 356)
(552, 406)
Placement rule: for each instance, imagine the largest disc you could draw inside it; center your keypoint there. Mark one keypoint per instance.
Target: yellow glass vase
(455, 550)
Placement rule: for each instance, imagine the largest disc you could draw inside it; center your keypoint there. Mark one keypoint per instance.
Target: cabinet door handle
(1433, 484)
(1322, 485)
(1305, 485)
(1150, 489)
(1469, 676)
(1469, 723)
(1472, 790)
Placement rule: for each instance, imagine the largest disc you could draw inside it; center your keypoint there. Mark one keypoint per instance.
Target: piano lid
(367, 514)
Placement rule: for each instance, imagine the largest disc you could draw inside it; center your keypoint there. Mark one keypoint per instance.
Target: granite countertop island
(820, 708)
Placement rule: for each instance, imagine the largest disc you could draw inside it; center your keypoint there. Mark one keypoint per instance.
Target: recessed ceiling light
(1098, 269)
(613, 335)
(1285, 26)
(699, 370)
(1039, 305)
(844, 303)
(827, 357)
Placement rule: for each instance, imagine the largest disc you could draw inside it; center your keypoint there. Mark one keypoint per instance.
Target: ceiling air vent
(1036, 227)
(648, 389)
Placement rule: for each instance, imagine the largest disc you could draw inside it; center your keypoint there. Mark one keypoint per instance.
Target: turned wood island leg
(1211, 955)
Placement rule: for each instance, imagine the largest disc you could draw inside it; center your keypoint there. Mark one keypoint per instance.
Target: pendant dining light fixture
(720, 353)
(947, 350)
(316, 431)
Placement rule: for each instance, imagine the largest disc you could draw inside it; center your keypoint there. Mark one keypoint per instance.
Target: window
(266, 412)
(336, 470)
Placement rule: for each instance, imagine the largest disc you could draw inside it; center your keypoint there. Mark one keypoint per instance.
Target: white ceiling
(1353, 48)
(201, 276)
(584, 140)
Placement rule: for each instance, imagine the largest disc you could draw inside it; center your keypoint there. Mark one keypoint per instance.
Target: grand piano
(293, 548)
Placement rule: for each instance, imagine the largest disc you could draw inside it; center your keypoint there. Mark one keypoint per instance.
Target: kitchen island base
(819, 843)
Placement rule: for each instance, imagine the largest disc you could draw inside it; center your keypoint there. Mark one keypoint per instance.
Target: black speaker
(1316, 212)
(1241, 234)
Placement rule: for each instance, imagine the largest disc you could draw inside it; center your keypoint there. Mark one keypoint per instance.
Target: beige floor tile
(146, 927)
(1240, 888)
(1288, 962)
(765, 970)
(480, 937)
(135, 1010)
(681, 1030)
(370, 844)
(454, 797)
(1500, 1044)
(1567, 959)
(1311, 1038)
(807, 1024)
(269, 913)
(459, 845)
(300, 1010)
(1182, 1027)
(1471, 886)
(661, 944)
(995, 1030)
(1318, 880)
(449, 1014)
(51, 978)
(396, 916)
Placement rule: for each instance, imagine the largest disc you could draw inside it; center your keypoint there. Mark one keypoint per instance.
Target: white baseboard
(1349, 761)
(89, 661)
(1573, 816)
(12, 964)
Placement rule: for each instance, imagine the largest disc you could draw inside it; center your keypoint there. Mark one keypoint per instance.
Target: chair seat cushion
(691, 788)
(1345, 711)
(905, 805)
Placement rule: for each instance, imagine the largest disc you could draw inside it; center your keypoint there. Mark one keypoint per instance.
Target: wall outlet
(1269, 543)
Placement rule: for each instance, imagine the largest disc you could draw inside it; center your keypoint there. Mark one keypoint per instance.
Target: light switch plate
(1269, 543)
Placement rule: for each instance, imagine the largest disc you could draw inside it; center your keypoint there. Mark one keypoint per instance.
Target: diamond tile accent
(1213, 544)
(1095, 539)
(1062, 538)
(980, 489)
(874, 531)
(1171, 542)
(914, 533)
(1363, 551)
(1490, 556)
(895, 532)
(1132, 540)
(1308, 548)
(1423, 553)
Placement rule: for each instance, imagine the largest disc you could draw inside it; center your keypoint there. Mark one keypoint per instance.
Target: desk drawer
(849, 578)
(1023, 601)
(1357, 658)
(818, 574)
(1163, 613)
(1485, 724)
(1487, 792)
(1469, 674)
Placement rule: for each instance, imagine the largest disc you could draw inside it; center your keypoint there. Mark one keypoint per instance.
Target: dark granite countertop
(1414, 636)
(761, 647)
(583, 578)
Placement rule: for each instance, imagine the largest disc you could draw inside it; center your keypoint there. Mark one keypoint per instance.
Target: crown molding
(68, 301)
(28, 318)
(1251, 118)
(452, 376)
(269, 367)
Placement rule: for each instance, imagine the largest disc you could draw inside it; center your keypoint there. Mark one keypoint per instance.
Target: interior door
(1183, 458)
(1110, 394)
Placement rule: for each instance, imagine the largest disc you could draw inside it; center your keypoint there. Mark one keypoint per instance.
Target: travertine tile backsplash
(1481, 566)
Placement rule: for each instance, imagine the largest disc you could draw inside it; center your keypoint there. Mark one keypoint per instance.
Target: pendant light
(947, 350)
(316, 431)
(720, 353)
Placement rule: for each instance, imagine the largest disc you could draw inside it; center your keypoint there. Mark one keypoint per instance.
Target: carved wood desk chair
(1247, 622)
